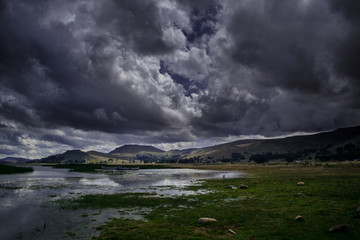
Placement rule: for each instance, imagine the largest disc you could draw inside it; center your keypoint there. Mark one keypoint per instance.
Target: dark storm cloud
(229, 115)
(290, 66)
(203, 17)
(8, 152)
(288, 41)
(136, 21)
(65, 140)
(81, 74)
(348, 54)
(54, 75)
(40, 63)
(7, 136)
(196, 5)
(350, 9)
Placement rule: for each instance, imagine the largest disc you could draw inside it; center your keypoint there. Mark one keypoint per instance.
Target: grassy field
(266, 210)
(7, 169)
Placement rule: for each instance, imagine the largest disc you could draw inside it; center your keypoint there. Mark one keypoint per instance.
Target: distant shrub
(237, 156)
(6, 169)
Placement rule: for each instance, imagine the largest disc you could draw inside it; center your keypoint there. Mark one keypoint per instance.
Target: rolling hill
(136, 149)
(72, 156)
(132, 153)
(14, 160)
(341, 144)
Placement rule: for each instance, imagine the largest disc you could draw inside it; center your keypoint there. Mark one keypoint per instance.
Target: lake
(29, 208)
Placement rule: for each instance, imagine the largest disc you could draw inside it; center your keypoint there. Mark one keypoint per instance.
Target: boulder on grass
(206, 220)
(299, 218)
(243, 186)
(339, 228)
(300, 184)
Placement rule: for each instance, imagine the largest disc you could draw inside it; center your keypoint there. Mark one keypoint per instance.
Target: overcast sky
(96, 74)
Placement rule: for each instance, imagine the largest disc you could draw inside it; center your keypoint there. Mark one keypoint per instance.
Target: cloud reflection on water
(27, 201)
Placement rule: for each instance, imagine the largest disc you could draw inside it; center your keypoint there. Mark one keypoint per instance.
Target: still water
(28, 208)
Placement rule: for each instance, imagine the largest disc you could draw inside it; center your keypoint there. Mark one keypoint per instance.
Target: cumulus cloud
(273, 63)
(97, 74)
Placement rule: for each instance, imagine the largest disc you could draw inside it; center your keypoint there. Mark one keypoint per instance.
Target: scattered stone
(232, 231)
(232, 187)
(339, 228)
(299, 218)
(121, 210)
(206, 220)
(300, 184)
(243, 186)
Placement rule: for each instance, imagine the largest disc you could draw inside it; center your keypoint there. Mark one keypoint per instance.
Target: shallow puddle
(28, 211)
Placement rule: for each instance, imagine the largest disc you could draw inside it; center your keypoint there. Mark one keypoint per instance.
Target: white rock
(206, 220)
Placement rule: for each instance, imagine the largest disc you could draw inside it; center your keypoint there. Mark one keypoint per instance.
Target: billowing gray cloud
(347, 55)
(139, 23)
(290, 42)
(96, 74)
(277, 70)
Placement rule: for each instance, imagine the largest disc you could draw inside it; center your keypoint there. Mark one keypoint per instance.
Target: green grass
(7, 169)
(264, 211)
(121, 200)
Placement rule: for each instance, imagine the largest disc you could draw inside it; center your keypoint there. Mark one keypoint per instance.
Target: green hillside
(14, 160)
(138, 152)
(341, 144)
(72, 156)
(135, 149)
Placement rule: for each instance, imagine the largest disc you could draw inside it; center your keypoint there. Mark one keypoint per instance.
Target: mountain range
(14, 160)
(340, 144)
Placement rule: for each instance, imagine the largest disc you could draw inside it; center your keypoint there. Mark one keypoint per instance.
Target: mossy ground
(264, 211)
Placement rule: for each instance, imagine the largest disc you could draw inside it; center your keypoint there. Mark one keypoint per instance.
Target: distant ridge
(71, 156)
(317, 140)
(134, 149)
(325, 146)
(14, 160)
(341, 144)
